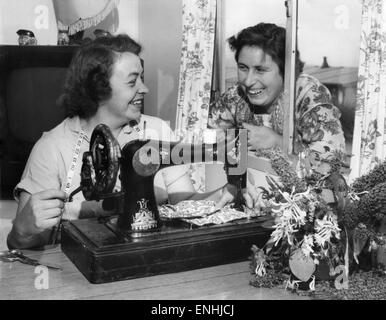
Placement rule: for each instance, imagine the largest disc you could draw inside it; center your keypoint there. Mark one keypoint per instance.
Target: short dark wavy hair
(270, 38)
(88, 78)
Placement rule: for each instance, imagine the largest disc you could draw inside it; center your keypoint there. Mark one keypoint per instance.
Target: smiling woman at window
(257, 103)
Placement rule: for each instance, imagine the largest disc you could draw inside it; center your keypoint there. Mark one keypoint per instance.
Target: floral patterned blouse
(317, 119)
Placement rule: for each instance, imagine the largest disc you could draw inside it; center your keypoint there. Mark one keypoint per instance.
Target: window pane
(328, 41)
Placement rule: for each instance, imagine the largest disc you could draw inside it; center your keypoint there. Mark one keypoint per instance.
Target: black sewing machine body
(136, 242)
(141, 160)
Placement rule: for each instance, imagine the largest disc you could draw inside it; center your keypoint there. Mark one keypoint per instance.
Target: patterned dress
(317, 119)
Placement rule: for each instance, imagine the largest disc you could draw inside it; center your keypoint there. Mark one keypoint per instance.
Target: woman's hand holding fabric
(229, 194)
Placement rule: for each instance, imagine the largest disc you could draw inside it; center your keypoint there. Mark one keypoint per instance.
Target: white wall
(160, 32)
(35, 15)
(128, 11)
(124, 19)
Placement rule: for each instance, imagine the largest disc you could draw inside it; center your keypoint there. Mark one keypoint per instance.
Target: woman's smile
(137, 103)
(255, 93)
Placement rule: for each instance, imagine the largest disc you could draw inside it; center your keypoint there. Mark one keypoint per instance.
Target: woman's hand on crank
(41, 211)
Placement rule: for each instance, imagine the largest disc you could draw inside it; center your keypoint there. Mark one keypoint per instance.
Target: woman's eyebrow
(242, 64)
(258, 66)
(132, 74)
(261, 67)
(135, 74)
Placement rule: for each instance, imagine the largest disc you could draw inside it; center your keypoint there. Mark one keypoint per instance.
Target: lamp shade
(78, 15)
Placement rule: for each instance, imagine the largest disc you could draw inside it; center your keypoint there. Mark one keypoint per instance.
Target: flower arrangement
(311, 235)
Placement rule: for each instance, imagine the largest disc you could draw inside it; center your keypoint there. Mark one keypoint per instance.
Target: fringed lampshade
(79, 15)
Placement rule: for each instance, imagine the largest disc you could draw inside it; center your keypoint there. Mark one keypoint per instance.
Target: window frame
(290, 77)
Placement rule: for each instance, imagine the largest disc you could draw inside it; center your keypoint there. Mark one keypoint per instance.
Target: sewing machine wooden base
(102, 253)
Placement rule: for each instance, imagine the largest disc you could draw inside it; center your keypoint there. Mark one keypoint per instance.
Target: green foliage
(271, 280)
(369, 210)
(283, 168)
(371, 179)
(362, 286)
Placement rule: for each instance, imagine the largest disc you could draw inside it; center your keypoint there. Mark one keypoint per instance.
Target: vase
(379, 257)
(63, 38)
(322, 271)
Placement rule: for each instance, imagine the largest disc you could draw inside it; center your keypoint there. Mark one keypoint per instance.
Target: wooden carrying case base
(104, 254)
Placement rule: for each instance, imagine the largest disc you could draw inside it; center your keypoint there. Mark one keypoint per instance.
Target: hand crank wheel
(101, 164)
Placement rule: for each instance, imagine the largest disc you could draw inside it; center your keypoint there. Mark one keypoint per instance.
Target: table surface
(224, 282)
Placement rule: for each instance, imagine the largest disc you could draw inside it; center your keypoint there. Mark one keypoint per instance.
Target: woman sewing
(103, 85)
(256, 102)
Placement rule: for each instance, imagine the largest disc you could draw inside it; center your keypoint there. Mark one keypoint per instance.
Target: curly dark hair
(270, 38)
(88, 78)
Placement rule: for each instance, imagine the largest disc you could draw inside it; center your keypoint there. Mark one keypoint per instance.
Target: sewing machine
(135, 242)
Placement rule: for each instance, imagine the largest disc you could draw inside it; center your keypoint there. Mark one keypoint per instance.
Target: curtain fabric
(369, 140)
(198, 36)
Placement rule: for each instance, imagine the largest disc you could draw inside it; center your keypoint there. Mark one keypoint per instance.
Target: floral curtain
(198, 35)
(369, 141)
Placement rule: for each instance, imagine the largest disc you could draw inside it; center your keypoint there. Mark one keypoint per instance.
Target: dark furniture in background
(31, 80)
